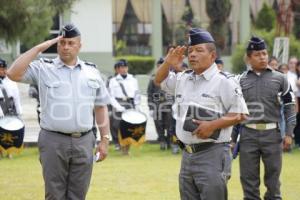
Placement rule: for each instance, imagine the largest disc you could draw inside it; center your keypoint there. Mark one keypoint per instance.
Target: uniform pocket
(56, 90)
(272, 88)
(248, 90)
(93, 85)
(40, 141)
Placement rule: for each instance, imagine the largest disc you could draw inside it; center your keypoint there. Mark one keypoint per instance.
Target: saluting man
(203, 159)
(260, 135)
(71, 90)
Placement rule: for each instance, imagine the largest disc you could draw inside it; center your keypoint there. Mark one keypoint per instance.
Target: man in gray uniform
(260, 135)
(71, 90)
(201, 175)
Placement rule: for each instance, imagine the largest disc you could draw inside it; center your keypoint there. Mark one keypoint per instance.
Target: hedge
(139, 64)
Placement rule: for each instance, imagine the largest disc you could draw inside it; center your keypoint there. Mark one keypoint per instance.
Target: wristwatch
(106, 136)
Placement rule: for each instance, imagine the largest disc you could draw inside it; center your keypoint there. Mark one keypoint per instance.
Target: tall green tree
(29, 20)
(218, 12)
(265, 18)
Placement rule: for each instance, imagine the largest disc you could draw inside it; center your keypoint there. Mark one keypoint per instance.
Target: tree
(29, 20)
(218, 12)
(265, 18)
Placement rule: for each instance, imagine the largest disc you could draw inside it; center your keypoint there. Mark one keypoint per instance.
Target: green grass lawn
(147, 174)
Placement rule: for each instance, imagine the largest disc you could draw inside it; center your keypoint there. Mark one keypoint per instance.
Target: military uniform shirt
(212, 89)
(261, 93)
(130, 85)
(67, 95)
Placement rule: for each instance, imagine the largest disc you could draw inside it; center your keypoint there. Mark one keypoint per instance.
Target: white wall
(94, 20)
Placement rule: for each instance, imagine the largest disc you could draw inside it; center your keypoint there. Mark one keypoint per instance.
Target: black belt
(75, 134)
(125, 99)
(194, 148)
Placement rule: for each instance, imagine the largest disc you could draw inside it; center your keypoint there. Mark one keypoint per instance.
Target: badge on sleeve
(238, 92)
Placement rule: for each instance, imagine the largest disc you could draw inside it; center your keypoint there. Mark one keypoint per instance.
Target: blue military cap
(160, 61)
(199, 36)
(70, 31)
(122, 62)
(3, 63)
(256, 44)
(116, 65)
(219, 61)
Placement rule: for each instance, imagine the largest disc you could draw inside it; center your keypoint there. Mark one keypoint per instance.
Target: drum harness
(127, 99)
(6, 103)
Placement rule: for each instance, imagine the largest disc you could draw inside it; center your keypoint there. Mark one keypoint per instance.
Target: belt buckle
(188, 148)
(261, 126)
(76, 135)
(124, 98)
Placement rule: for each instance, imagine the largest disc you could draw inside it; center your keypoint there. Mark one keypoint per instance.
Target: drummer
(9, 97)
(124, 88)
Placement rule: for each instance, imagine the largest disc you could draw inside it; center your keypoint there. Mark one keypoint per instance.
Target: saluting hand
(175, 57)
(45, 45)
(204, 130)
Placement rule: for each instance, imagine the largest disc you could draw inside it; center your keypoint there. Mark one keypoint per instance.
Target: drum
(132, 128)
(11, 133)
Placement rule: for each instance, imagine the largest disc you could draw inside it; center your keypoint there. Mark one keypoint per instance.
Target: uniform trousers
(202, 174)
(256, 145)
(297, 128)
(67, 164)
(163, 123)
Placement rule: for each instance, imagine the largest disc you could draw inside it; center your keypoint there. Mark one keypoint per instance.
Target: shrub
(237, 59)
(139, 64)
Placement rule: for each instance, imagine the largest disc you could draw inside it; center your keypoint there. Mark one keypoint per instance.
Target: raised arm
(173, 57)
(19, 66)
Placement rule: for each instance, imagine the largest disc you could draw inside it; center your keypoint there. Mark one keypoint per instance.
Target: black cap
(199, 36)
(116, 65)
(122, 62)
(219, 61)
(160, 61)
(69, 31)
(256, 44)
(3, 63)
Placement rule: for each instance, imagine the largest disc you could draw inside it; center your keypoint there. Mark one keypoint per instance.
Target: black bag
(200, 113)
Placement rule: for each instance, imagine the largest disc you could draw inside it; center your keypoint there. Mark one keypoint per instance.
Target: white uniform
(130, 85)
(212, 89)
(12, 91)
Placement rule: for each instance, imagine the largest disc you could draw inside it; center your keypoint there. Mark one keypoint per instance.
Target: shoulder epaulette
(90, 64)
(188, 71)
(47, 60)
(243, 75)
(227, 74)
